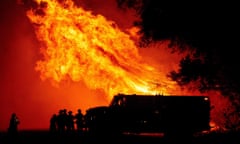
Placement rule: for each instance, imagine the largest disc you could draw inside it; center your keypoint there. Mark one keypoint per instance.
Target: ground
(44, 137)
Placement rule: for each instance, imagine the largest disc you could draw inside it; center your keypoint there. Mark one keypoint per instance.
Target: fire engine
(151, 114)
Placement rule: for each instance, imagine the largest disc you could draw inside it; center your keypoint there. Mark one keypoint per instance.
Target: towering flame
(80, 46)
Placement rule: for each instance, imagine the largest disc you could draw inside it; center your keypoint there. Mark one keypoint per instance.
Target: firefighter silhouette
(13, 125)
(70, 122)
(53, 123)
(79, 120)
(60, 121)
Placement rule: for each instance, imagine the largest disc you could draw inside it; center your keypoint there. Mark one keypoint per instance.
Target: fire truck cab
(151, 114)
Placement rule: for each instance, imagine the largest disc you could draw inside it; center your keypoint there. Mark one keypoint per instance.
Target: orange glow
(80, 46)
(213, 126)
(87, 56)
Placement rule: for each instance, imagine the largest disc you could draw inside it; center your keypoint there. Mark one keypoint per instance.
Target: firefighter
(13, 125)
(53, 123)
(79, 120)
(70, 122)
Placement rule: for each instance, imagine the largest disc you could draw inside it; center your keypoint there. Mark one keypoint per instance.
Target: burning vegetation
(77, 45)
(80, 46)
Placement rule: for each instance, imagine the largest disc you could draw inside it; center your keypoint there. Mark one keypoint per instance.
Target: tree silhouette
(209, 29)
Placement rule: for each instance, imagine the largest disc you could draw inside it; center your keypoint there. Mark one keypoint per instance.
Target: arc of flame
(80, 46)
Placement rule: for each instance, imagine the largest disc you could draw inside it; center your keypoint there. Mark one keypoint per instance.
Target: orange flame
(80, 46)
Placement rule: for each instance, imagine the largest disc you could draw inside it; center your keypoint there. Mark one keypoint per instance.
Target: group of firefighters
(62, 122)
(65, 121)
